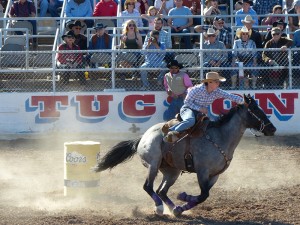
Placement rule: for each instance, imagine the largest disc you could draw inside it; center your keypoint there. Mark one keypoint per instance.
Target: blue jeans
(44, 4)
(186, 38)
(173, 109)
(188, 119)
(53, 7)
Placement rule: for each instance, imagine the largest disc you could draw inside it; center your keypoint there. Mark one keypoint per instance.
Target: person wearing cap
(215, 58)
(246, 10)
(197, 102)
(277, 58)
(80, 39)
(153, 59)
(244, 52)
(271, 19)
(294, 19)
(176, 83)
(80, 8)
(279, 23)
(70, 60)
(224, 32)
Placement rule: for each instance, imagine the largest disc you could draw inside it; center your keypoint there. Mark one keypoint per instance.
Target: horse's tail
(120, 153)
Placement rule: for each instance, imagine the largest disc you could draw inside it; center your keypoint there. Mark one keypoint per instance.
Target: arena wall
(113, 114)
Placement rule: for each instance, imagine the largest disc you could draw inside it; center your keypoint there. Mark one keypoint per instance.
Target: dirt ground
(261, 186)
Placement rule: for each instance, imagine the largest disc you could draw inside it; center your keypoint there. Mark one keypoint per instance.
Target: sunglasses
(214, 81)
(130, 4)
(275, 34)
(211, 35)
(131, 25)
(244, 33)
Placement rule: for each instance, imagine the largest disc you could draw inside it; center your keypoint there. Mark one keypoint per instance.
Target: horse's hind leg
(148, 187)
(170, 175)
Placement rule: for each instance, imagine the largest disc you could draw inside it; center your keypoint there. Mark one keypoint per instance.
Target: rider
(198, 99)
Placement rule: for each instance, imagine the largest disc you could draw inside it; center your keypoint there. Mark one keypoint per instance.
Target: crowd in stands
(142, 22)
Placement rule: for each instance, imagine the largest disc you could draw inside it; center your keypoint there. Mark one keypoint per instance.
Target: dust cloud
(31, 175)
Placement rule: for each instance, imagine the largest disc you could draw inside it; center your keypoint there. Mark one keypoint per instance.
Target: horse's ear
(246, 99)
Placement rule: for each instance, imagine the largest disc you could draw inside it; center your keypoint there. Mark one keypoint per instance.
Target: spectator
(150, 16)
(211, 9)
(296, 59)
(277, 58)
(176, 84)
(130, 13)
(100, 40)
(80, 39)
(243, 53)
(195, 8)
(153, 59)
(142, 6)
(44, 4)
(294, 19)
(215, 58)
(281, 25)
(246, 10)
(106, 8)
(130, 39)
(3, 4)
(80, 8)
(181, 25)
(71, 60)
(163, 6)
(24, 8)
(264, 7)
(224, 33)
(270, 20)
(254, 35)
(53, 7)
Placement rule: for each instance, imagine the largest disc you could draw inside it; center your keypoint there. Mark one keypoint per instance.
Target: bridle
(262, 123)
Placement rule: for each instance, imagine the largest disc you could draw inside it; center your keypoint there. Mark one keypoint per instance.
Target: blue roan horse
(212, 154)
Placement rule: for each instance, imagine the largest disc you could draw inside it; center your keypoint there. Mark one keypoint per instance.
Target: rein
(262, 123)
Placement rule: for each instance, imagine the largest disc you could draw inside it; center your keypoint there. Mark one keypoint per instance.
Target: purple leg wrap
(156, 199)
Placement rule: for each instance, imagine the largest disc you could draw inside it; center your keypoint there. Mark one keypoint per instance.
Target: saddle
(198, 130)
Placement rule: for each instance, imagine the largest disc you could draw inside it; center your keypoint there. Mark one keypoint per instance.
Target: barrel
(79, 158)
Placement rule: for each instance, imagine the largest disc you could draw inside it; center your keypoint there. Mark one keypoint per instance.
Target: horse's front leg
(192, 201)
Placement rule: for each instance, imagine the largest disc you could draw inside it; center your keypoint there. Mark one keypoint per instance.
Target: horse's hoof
(177, 211)
(159, 210)
(182, 196)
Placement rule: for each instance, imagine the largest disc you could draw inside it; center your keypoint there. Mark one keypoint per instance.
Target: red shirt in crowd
(106, 8)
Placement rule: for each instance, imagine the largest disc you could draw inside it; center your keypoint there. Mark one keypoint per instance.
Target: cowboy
(80, 39)
(242, 54)
(70, 60)
(196, 103)
(245, 10)
(176, 84)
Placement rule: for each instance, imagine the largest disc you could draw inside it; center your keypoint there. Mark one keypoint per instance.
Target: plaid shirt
(263, 7)
(224, 36)
(198, 97)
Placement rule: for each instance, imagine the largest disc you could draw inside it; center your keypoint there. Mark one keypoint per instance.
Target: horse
(212, 154)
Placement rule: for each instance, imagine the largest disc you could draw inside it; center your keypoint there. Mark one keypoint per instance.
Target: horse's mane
(224, 118)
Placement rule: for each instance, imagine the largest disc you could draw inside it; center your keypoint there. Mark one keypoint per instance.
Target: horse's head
(257, 119)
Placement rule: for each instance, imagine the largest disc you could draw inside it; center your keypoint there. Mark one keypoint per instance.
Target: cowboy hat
(99, 26)
(279, 22)
(174, 63)
(211, 31)
(248, 19)
(239, 31)
(213, 76)
(70, 33)
(77, 23)
(247, 1)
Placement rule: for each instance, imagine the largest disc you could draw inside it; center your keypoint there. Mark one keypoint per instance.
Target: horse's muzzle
(269, 130)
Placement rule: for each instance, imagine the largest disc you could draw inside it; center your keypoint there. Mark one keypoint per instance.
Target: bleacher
(25, 67)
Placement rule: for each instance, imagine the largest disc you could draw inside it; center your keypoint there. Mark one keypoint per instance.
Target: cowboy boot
(233, 81)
